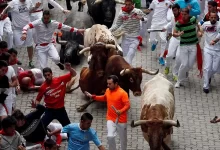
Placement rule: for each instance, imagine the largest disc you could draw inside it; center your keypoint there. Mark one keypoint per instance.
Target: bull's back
(98, 33)
(158, 91)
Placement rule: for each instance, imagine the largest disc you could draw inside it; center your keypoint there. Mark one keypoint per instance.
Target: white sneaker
(177, 85)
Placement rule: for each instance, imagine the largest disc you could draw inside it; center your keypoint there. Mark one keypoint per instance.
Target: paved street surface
(194, 109)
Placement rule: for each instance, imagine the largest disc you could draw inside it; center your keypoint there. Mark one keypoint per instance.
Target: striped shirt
(129, 22)
(190, 36)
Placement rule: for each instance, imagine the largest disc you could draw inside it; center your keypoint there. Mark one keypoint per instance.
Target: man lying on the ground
(30, 79)
(31, 127)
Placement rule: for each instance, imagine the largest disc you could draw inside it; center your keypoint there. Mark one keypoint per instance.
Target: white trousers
(17, 33)
(211, 65)
(163, 42)
(43, 52)
(129, 47)
(173, 51)
(143, 28)
(33, 17)
(5, 27)
(54, 126)
(9, 103)
(113, 128)
(187, 59)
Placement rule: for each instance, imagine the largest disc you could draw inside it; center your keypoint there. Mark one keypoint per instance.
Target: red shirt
(54, 92)
(178, 18)
(23, 74)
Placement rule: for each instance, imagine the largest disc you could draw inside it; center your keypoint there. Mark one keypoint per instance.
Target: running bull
(158, 106)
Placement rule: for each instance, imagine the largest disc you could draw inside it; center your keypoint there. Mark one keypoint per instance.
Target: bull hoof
(80, 109)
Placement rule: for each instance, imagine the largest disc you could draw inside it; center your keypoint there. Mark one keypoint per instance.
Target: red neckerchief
(160, 0)
(178, 18)
(2, 132)
(181, 21)
(207, 16)
(125, 9)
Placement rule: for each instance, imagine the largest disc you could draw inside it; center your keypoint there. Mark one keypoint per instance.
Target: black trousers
(59, 114)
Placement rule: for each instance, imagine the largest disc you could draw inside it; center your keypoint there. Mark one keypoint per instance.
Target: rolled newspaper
(154, 30)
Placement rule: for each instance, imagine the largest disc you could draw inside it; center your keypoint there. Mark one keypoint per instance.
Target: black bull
(102, 11)
(71, 44)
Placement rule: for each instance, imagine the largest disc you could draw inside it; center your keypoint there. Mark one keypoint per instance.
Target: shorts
(17, 38)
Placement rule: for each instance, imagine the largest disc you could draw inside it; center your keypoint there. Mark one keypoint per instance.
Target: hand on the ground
(68, 66)
(37, 5)
(66, 11)
(33, 104)
(88, 94)
(24, 36)
(81, 31)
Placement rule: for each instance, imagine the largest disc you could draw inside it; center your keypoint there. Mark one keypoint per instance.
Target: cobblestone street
(194, 109)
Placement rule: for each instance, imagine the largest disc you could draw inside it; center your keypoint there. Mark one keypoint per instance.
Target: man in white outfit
(20, 12)
(174, 44)
(129, 22)
(45, 28)
(38, 13)
(211, 50)
(159, 20)
(5, 25)
(6, 108)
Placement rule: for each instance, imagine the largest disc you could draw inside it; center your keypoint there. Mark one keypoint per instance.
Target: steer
(158, 106)
(129, 77)
(102, 11)
(69, 51)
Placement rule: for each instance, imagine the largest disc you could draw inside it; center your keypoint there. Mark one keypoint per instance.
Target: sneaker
(175, 78)
(61, 66)
(177, 85)
(161, 61)
(31, 65)
(154, 46)
(167, 70)
(206, 91)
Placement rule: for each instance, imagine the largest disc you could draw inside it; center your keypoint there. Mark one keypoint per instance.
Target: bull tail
(71, 90)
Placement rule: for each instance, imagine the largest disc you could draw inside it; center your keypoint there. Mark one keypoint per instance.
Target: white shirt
(44, 34)
(10, 74)
(159, 18)
(38, 76)
(52, 2)
(20, 12)
(211, 32)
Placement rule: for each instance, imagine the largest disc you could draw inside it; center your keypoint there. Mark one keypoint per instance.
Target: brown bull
(158, 106)
(129, 77)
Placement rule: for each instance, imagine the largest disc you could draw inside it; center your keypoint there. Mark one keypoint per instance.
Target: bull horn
(59, 41)
(171, 123)
(110, 46)
(120, 1)
(150, 72)
(84, 50)
(138, 123)
(97, 1)
(81, 46)
(124, 71)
